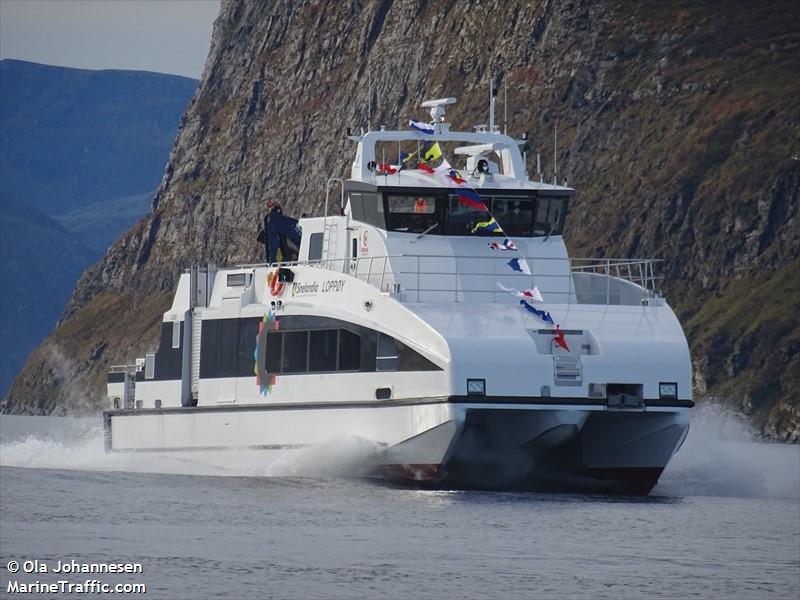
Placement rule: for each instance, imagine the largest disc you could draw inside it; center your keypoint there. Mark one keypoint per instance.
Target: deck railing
(436, 278)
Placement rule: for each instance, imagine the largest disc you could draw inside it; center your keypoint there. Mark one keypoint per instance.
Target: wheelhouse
(437, 211)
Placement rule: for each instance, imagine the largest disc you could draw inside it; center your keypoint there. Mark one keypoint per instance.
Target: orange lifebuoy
(276, 286)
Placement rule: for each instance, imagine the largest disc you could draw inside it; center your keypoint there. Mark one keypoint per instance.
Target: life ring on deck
(276, 286)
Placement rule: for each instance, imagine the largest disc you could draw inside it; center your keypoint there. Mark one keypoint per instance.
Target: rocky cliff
(678, 124)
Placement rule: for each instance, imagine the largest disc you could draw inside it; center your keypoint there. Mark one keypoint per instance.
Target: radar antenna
(437, 108)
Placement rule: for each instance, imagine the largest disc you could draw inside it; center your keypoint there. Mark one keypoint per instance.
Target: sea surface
(724, 522)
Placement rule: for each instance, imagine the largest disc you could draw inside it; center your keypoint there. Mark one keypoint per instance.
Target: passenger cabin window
(315, 246)
(387, 358)
(295, 352)
(323, 349)
(237, 279)
(349, 351)
(176, 334)
(316, 351)
(274, 342)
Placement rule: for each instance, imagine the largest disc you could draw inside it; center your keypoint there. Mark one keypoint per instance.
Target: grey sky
(168, 36)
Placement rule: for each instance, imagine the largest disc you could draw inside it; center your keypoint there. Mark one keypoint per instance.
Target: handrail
(592, 261)
(325, 231)
(624, 281)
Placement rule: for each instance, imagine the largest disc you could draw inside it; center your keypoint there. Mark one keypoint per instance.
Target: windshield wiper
(427, 231)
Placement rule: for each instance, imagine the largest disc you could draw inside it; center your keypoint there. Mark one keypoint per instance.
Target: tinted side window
(387, 358)
(322, 350)
(413, 214)
(295, 351)
(356, 206)
(515, 215)
(349, 351)
(373, 210)
(315, 246)
(226, 348)
(550, 213)
(274, 341)
(462, 218)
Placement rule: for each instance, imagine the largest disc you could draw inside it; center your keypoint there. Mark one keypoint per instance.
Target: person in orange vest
(420, 206)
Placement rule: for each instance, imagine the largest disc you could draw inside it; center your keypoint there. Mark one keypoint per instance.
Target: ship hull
(443, 443)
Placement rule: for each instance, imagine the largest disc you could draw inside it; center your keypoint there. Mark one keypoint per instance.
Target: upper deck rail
(436, 278)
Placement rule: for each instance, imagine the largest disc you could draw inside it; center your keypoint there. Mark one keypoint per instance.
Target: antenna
(539, 166)
(399, 164)
(525, 151)
(505, 106)
(369, 101)
(555, 154)
(491, 103)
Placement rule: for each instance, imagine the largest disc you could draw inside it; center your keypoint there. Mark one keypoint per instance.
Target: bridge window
(440, 212)
(515, 215)
(461, 218)
(412, 213)
(367, 208)
(550, 213)
(356, 206)
(373, 210)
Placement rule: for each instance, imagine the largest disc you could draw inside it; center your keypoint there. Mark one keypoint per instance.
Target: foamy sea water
(724, 522)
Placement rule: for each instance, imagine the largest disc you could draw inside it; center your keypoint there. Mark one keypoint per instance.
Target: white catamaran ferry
(439, 317)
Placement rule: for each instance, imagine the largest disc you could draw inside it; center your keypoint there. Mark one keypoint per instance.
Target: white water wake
(719, 458)
(78, 444)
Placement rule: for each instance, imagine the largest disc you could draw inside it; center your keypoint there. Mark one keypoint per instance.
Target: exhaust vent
(624, 395)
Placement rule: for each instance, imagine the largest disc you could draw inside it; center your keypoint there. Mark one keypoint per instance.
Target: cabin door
(354, 253)
(334, 247)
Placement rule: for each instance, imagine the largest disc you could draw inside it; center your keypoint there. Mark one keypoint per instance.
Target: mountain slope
(41, 260)
(100, 223)
(70, 137)
(677, 124)
(75, 145)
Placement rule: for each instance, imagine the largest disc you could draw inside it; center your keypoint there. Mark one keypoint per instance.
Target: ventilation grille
(197, 336)
(567, 369)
